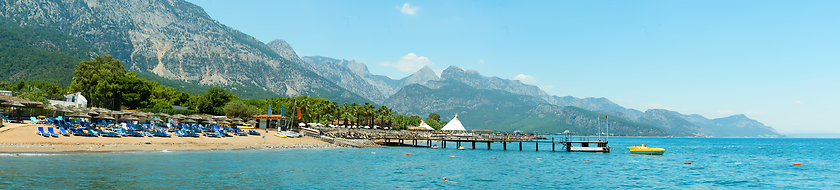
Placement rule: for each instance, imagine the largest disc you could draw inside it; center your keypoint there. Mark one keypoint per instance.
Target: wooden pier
(584, 144)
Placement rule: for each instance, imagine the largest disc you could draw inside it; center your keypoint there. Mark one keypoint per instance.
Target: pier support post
(552, 144)
(537, 144)
(444, 143)
(504, 145)
(520, 145)
(488, 144)
(473, 144)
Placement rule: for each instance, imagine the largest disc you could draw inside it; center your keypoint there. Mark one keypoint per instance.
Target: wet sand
(23, 138)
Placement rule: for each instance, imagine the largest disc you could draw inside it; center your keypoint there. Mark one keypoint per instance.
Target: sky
(777, 62)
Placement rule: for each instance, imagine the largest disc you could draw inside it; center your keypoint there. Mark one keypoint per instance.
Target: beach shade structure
(237, 119)
(454, 125)
(251, 122)
(79, 114)
(425, 126)
(193, 117)
(177, 116)
(224, 123)
(131, 118)
(188, 121)
(238, 123)
(92, 112)
(155, 119)
(102, 110)
(12, 104)
(220, 118)
(105, 117)
(162, 115)
(139, 114)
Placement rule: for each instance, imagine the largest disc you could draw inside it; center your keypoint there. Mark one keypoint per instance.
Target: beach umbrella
(101, 110)
(156, 119)
(106, 117)
(12, 104)
(162, 114)
(237, 119)
(80, 114)
(225, 122)
(131, 118)
(193, 117)
(188, 121)
(238, 123)
(251, 122)
(139, 114)
(177, 116)
(219, 118)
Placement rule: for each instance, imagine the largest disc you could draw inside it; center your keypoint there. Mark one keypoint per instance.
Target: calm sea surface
(715, 164)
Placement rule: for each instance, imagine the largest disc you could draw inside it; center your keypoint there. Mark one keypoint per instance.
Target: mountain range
(177, 44)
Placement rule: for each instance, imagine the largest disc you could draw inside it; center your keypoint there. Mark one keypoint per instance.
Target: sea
(715, 163)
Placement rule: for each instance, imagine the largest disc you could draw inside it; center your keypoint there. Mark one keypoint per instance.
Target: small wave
(27, 154)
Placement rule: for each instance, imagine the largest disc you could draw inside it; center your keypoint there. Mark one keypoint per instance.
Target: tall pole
(608, 127)
(599, 128)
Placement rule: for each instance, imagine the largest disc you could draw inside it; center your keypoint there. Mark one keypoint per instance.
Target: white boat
(434, 146)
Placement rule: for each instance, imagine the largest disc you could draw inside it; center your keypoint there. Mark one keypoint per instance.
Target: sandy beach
(22, 138)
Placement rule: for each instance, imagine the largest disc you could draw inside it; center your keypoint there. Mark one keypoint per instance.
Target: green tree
(96, 79)
(239, 109)
(213, 101)
(434, 116)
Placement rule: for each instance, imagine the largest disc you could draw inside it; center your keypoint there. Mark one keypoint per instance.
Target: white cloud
(481, 61)
(797, 102)
(527, 79)
(407, 9)
(725, 111)
(409, 63)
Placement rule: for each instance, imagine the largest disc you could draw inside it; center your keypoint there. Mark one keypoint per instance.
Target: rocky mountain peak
(284, 50)
(421, 76)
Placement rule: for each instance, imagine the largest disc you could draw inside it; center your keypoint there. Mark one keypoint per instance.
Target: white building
(73, 99)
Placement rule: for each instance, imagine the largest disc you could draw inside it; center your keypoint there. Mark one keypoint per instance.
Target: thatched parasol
(188, 121)
(12, 104)
(105, 117)
(238, 123)
(193, 117)
(101, 110)
(237, 119)
(224, 123)
(80, 114)
(156, 119)
(177, 116)
(251, 122)
(139, 114)
(131, 118)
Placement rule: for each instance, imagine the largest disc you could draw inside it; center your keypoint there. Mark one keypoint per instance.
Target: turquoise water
(716, 164)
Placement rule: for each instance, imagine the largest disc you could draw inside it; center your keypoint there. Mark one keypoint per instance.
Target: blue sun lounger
(92, 132)
(42, 132)
(63, 132)
(51, 131)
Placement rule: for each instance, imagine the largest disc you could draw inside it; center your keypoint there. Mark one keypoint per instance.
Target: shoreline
(21, 138)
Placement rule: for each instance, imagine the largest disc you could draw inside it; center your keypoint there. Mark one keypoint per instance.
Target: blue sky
(775, 61)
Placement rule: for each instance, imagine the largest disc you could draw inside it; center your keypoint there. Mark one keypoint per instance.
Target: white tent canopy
(426, 126)
(453, 125)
